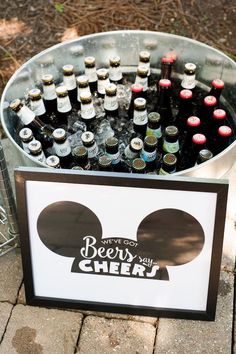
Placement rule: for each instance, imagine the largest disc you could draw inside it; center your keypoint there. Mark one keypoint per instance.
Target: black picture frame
(23, 175)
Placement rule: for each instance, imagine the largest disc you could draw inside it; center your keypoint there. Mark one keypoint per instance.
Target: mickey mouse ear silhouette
(62, 225)
(170, 237)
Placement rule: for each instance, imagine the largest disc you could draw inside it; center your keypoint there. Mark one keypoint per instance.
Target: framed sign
(122, 243)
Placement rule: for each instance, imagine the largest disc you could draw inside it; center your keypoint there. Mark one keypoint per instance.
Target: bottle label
(115, 158)
(154, 132)
(92, 151)
(188, 81)
(146, 65)
(26, 115)
(130, 154)
(49, 92)
(63, 104)
(87, 111)
(80, 90)
(38, 107)
(140, 117)
(41, 157)
(142, 81)
(69, 82)
(148, 156)
(163, 172)
(115, 73)
(62, 150)
(171, 147)
(92, 74)
(102, 85)
(111, 103)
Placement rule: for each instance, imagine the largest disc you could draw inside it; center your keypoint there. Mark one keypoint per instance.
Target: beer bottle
(204, 155)
(144, 60)
(26, 136)
(104, 163)
(138, 166)
(168, 165)
(163, 105)
(185, 109)
(110, 100)
(190, 158)
(188, 82)
(140, 117)
(192, 127)
(103, 81)
(166, 67)
(53, 161)
(115, 73)
(133, 149)
(154, 126)
(171, 140)
(49, 93)
(217, 120)
(64, 107)
(62, 147)
(205, 112)
(136, 92)
(112, 151)
(87, 113)
(69, 82)
(88, 140)
(149, 152)
(142, 78)
(217, 86)
(82, 86)
(37, 105)
(222, 140)
(80, 157)
(35, 148)
(41, 131)
(91, 72)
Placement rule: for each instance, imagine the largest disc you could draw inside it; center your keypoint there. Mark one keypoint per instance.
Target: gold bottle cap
(112, 142)
(150, 140)
(61, 91)
(89, 62)
(35, 94)
(115, 61)
(138, 164)
(16, 105)
(139, 103)
(80, 151)
(171, 130)
(47, 79)
(154, 117)
(59, 134)
(169, 159)
(111, 89)
(68, 69)
(144, 56)
(35, 146)
(82, 81)
(102, 74)
(85, 97)
(142, 71)
(104, 161)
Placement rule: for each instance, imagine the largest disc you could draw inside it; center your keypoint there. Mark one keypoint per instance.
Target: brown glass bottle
(136, 92)
(185, 109)
(69, 81)
(37, 105)
(140, 118)
(149, 152)
(168, 164)
(163, 105)
(49, 93)
(62, 147)
(64, 107)
(115, 72)
(80, 157)
(91, 72)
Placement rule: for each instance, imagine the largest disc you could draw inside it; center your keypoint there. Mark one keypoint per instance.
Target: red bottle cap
(225, 131)
(219, 114)
(218, 84)
(167, 60)
(186, 94)
(193, 121)
(210, 101)
(199, 139)
(137, 88)
(164, 83)
(171, 55)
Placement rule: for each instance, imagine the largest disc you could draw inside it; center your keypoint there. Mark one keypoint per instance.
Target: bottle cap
(25, 134)
(61, 91)
(102, 74)
(210, 101)
(59, 134)
(140, 103)
(199, 139)
(144, 56)
(89, 62)
(16, 105)
(205, 155)
(85, 97)
(225, 131)
(193, 121)
(87, 138)
(111, 89)
(35, 146)
(154, 117)
(47, 79)
(142, 71)
(35, 94)
(219, 114)
(218, 84)
(77, 168)
(104, 161)
(171, 55)
(167, 60)
(186, 94)
(171, 130)
(68, 69)
(111, 142)
(164, 83)
(136, 144)
(150, 140)
(80, 152)
(190, 68)
(138, 164)
(114, 61)
(53, 161)
(136, 88)
(169, 159)
(82, 81)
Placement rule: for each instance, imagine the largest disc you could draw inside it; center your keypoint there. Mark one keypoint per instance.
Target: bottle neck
(63, 104)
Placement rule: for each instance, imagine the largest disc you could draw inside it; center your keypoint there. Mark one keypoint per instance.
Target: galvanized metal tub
(211, 64)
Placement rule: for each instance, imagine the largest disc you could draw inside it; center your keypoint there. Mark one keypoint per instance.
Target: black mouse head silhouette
(166, 237)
